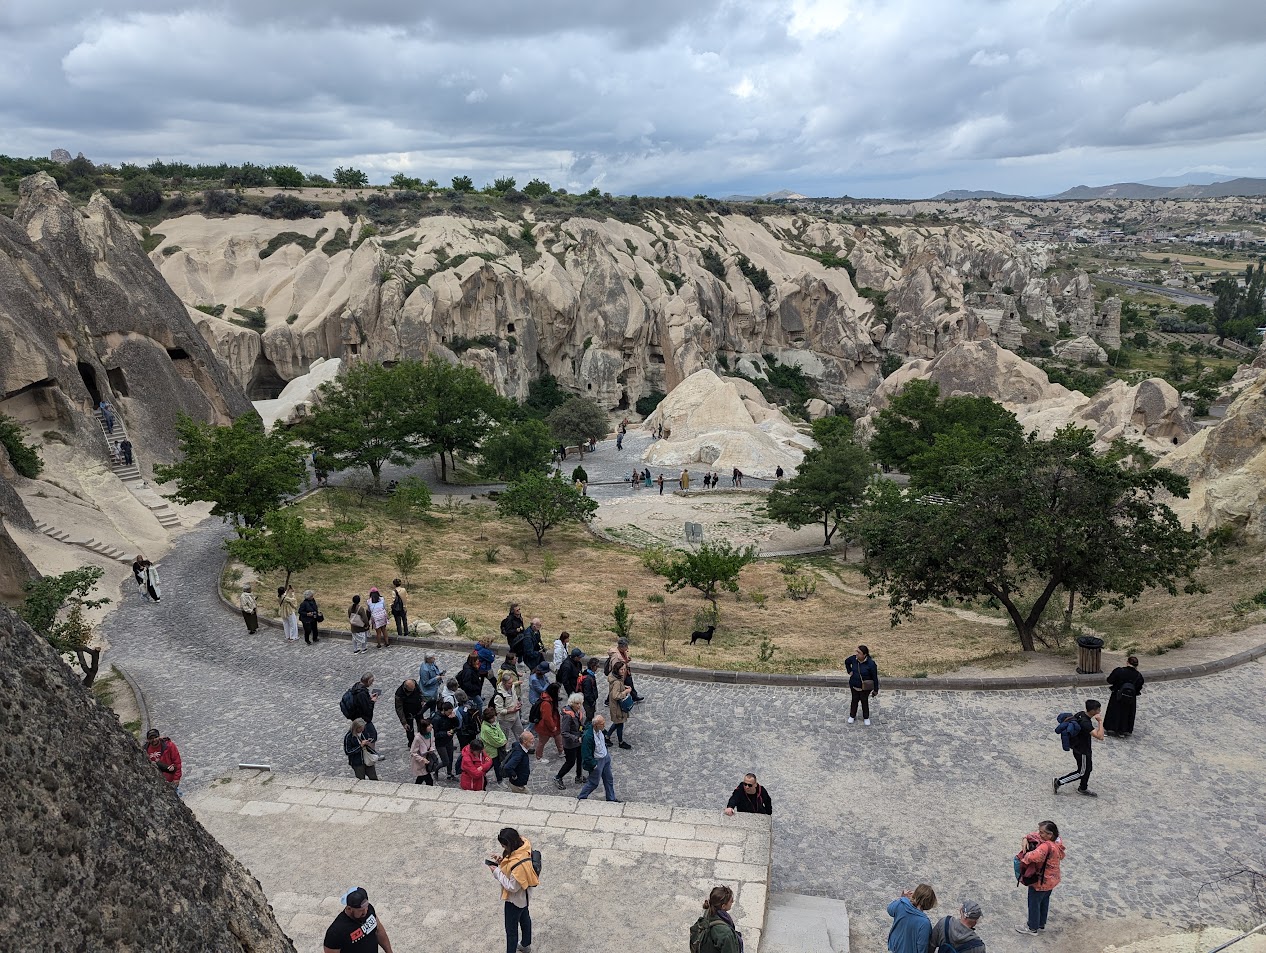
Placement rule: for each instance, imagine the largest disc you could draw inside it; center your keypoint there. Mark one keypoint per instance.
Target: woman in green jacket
(494, 740)
(714, 932)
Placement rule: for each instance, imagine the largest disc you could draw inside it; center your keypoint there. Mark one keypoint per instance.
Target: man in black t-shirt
(1090, 724)
(357, 929)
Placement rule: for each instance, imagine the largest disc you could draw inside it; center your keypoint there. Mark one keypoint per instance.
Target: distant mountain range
(768, 196)
(1192, 186)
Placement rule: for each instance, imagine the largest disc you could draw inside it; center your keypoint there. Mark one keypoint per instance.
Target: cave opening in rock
(624, 400)
(266, 383)
(178, 354)
(118, 383)
(510, 327)
(89, 375)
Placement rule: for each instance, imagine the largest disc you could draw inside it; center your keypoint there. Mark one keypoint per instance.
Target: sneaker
(1024, 928)
(866, 721)
(1086, 793)
(558, 783)
(851, 719)
(626, 745)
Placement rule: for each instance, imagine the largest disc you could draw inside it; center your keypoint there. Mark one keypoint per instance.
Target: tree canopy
(829, 484)
(285, 542)
(711, 567)
(1012, 526)
(42, 609)
(242, 470)
(450, 407)
(545, 502)
(516, 448)
(577, 420)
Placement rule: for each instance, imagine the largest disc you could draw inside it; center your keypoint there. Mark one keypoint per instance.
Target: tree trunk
(443, 468)
(375, 470)
(828, 530)
(1024, 630)
(1068, 613)
(89, 664)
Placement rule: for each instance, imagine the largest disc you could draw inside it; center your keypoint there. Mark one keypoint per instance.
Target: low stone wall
(621, 876)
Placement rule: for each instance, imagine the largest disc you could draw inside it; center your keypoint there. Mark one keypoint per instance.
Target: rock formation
(1226, 464)
(99, 851)
(84, 316)
(1150, 413)
(722, 423)
(615, 310)
(1084, 350)
(295, 398)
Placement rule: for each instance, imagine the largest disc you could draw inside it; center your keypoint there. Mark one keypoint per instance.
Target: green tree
(826, 489)
(544, 395)
(410, 501)
(242, 470)
(285, 542)
(516, 448)
(537, 188)
(24, 457)
(545, 502)
(56, 606)
(402, 181)
(454, 408)
(142, 194)
(1050, 514)
(463, 183)
(577, 420)
(832, 430)
(365, 419)
(504, 184)
(350, 178)
(711, 567)
(286, 176)
(407, 562)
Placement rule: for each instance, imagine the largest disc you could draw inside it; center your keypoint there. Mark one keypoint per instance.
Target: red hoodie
(1048, 852)
(164, 753)
(474, 768)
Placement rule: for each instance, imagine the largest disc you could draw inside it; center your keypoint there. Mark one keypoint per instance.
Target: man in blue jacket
(430, 678)
(911, 929)
(518, 763)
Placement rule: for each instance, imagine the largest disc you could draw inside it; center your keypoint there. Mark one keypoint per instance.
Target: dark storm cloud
(826, 96)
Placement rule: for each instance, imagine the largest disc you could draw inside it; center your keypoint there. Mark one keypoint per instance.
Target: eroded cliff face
(614, 310)
(84, 316)
(100, 852)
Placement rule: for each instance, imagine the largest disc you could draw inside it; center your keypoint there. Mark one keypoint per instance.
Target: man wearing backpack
(958, 935)
(358, 701)
(1089, 725)
(587, 685)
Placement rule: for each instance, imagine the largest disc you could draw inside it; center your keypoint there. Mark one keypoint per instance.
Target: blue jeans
(517, 919)
(601, 770)
(1039, 903)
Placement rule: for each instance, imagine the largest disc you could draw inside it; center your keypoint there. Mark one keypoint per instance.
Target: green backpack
(701, 935)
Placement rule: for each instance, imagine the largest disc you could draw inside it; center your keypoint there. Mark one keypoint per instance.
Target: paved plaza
(940, 789)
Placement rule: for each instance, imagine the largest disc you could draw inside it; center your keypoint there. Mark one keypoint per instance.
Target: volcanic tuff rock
(1150, 413)
(613, 309)
(99, 851)
(85, 315)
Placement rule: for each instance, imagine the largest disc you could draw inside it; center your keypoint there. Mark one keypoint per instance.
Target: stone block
(333, 784)
(646, 845)
(263, 808)
(750, 903)
(350, 818)
(649, 812)
(730, 853)
(510, 817)
(722, 835)
(473, 812)
(347, 802)
(432, 808)
(499, 798)
(382, 788)
(299, 795)
(620, 825)
(670, 829)
(419, 792)
(744, 872)
(589, 839)
(306, 812)
(294, 780)
(591, 806)
(555, 804)
(210, 802)
(580, 822)
(612, 858)
(388, 805)
(693, 815)
(464, 797)
(690, 848)
(483, 829)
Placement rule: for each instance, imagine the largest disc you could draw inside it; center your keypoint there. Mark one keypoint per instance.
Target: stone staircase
(130, 475)
(90, 544)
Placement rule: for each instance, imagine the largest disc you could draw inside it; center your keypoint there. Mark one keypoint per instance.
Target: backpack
(347, 704)
(397, 604)
(975, 943)
(1067, 727)
(534, 715)
(606, 668)
(535, 860)
(701, 935)
(1126, 689)
(580, 680)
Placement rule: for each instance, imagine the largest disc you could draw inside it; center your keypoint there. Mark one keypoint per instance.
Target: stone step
(795, 923)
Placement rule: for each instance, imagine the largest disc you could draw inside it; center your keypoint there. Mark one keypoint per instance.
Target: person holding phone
(863, 683)
(1040, 855)
(1090, 728)
(514, 870)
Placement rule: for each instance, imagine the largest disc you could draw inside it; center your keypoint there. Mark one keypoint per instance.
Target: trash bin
(1089, 649)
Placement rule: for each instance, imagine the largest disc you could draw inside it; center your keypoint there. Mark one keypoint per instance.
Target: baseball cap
(576, 652)
(543, 667)
(152, 733)
(971, 910)
(356, 897)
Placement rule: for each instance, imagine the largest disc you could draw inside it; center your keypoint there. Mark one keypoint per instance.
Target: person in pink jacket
(475, 764)
(1040, 855)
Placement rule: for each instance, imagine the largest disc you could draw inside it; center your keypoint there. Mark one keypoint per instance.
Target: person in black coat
(749, 798)
(569, 670)
(512, 628)
(308, 615)
(863, 682)
(1127, 684)
(409, 700)
(469, 678)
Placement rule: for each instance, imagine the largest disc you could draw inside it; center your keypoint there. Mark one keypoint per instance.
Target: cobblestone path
(940, 789)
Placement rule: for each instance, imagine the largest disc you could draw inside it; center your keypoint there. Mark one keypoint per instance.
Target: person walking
(684, 480)
(749, 798)
(152, 585)
(596, 759)
(587, 686)
(911, 928)
(310, 616)
(508, 704)
(445, 724)
(494, 738)
(538, 681)
(138, 572)
(619, 702)
(288, 609)
(518, 763)
(546, 725)
(483, 647)
(621, 651)
(358, 621)
(863, 683)
(430, 680)
(571, 727)
(561, 649)
(715, 932)
(515, 871)
(422, 757)
(1040, 856)
(469, 677)
(1127, 684)
(660, 481)
(532, 645)
(125, 447)
(357, 928)
(378, 619)
(707, 481)
(250, 609)
(399, 608)
(475, 766)
(569, 671)
(512, 627)
(164, 755)
(958, 933)
(409, 701)
(359, 744)
(1089, 729)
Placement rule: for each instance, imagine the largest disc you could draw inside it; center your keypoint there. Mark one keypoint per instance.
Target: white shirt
(560, 653)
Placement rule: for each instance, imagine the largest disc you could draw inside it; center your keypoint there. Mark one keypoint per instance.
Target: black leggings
(402, 624)
(310, 631)
(424, 779)
(445, 749)
(859, 696)
(570, 756)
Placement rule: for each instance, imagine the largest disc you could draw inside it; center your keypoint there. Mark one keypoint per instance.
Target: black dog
(705, 635)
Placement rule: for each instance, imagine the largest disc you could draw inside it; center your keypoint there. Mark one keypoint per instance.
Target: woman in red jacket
(548, 726)
(1039, 856)
(475, 764)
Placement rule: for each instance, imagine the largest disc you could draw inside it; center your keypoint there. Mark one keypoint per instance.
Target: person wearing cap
(357, 928)
(749, 798)
(569, 671)
(538, 681)
(164, 755)
(958, 933)
(561, 649)
(250, 609)
(430, 680)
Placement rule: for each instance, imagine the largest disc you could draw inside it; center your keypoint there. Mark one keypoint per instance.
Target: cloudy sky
(900, 98)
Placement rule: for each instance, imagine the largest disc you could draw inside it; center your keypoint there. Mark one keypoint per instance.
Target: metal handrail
(1257, 929)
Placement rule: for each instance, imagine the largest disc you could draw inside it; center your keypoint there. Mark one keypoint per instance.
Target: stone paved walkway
(940, 789)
